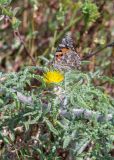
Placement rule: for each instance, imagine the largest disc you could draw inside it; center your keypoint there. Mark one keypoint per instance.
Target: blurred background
(42, 25)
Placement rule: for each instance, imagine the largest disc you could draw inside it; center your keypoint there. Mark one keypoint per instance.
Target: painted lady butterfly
(66, 57)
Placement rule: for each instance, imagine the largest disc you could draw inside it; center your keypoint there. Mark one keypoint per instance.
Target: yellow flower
(53, 77)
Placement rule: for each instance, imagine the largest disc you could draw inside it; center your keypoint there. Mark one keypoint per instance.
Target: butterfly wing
(65, 57)
(70, 60)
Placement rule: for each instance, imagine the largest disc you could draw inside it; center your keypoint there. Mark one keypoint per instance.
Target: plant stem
(97, 51)
(17, 33)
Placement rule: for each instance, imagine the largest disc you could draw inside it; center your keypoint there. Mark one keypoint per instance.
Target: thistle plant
(33, 116)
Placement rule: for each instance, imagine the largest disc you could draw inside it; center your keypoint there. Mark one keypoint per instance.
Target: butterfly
(65, 57)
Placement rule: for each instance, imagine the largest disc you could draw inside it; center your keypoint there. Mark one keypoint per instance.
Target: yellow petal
(53, 77)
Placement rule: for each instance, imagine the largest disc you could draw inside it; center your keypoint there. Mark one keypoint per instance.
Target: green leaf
(67, 140)
(5, 2)
(51, 127)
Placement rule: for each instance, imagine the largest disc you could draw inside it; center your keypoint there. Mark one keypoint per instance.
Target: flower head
(53, 77)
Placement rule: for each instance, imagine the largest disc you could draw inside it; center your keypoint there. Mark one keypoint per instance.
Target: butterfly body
(65, 57)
